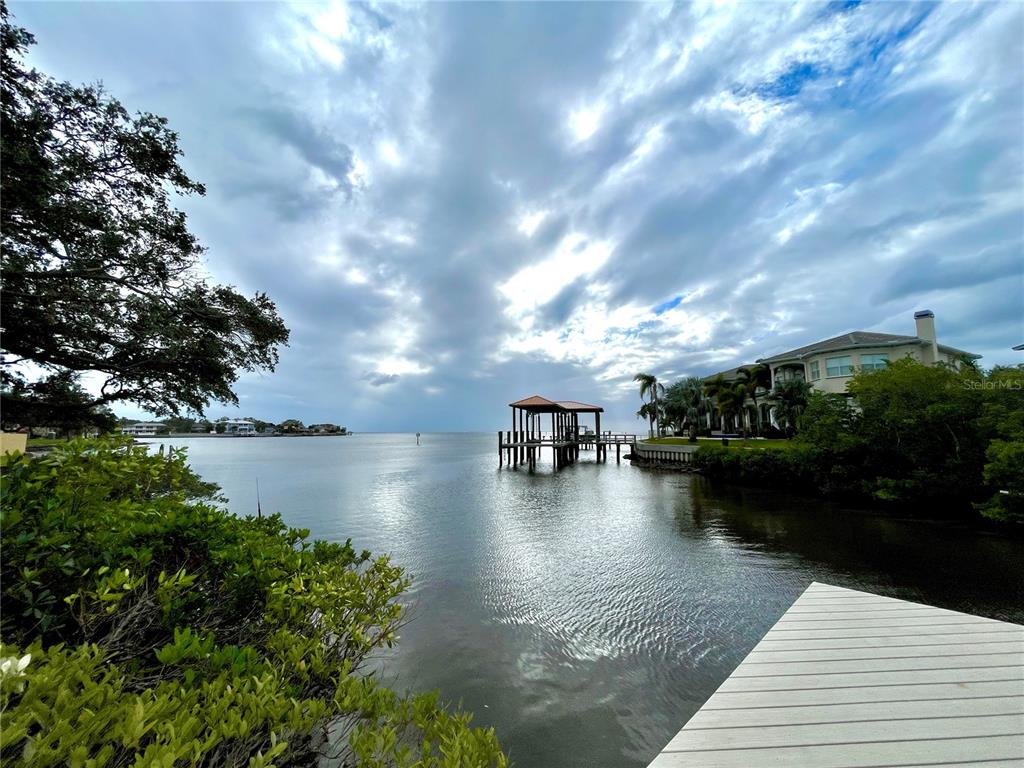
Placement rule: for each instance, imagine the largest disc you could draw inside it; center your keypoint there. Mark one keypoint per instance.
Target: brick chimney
(925, 322)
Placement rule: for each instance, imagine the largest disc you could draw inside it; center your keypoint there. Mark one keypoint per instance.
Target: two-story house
(830, 364)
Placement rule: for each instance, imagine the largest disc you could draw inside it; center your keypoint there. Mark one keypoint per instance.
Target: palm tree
(730, 401)
(686, 402)
(714, 388)
(647, 413)
(754, 377)
(788, 399)
(649, 386)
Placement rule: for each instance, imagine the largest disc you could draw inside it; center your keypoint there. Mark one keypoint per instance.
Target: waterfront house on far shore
(238, 426)
(829, 365)
(144, 428)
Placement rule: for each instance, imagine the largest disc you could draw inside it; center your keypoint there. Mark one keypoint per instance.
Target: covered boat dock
(523, 444)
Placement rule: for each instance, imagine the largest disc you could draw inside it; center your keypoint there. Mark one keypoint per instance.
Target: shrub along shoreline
(144, 625)
(924, 440)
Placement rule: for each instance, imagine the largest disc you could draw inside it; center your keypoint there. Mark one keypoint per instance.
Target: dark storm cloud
(379, 379)
(313, 144)
(455, 205)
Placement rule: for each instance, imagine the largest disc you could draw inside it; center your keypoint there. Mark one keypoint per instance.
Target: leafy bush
(143, 625)
(1004, 471)
(755, 466)
(921, 437)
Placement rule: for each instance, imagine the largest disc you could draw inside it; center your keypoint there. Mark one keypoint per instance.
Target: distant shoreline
(222, 435)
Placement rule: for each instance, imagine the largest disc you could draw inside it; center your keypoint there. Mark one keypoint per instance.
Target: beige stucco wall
(837, 384)
(11, 442)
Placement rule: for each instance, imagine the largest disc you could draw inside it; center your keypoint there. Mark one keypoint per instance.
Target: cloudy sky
(457, 205)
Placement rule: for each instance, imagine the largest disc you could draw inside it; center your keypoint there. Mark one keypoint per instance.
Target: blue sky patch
(665, 306)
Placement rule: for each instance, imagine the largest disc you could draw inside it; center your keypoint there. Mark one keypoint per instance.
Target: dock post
(511, 442)
(617, 460)
(501, 460)
(519, 448)
(554, 451)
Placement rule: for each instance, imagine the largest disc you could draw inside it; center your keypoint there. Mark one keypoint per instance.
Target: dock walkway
(851, 679)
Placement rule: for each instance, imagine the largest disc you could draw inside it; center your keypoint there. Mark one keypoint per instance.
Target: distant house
(143, 428)
(829, 365)
(239, 427)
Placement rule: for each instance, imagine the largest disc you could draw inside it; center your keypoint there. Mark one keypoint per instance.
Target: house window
(815, 371)
(874, 362)
(839, 366)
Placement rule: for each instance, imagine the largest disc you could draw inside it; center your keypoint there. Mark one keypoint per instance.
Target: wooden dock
(850, 679)
(524, 443)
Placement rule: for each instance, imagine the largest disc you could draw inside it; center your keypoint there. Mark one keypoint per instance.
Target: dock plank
(851, 679)
(1003, 751)
(824, 697)
(852, 713)
(773, 655)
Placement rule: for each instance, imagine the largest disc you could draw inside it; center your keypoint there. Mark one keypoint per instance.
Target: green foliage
(755, 379)
(1004, 471)
(916, 438)
(99, 271)
(161, 630)
(686, 403)
(788, 399)
(920, 423)
(828, 421)
(56, 401)
(650, 388)
(779, 468)
(730, 397)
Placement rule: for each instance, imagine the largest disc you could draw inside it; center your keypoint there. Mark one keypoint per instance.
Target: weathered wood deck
(852, 679)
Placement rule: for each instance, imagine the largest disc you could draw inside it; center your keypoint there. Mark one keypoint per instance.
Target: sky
(458, 205)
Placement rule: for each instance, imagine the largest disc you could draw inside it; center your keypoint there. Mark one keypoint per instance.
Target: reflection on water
(587, 614)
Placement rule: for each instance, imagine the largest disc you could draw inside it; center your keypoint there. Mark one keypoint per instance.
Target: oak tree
(99, 272)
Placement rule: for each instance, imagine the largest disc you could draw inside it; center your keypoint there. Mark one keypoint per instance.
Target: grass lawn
(734, 442)
(45, 442)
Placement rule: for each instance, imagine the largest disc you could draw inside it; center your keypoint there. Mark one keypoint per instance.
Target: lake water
(587, 614)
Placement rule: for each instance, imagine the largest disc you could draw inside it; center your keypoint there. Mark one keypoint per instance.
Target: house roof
(731, 375)
(539, 404)
(573, 405)
(857, 339)
(534, 401)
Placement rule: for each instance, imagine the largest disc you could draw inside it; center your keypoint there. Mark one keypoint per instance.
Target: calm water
(586, 615)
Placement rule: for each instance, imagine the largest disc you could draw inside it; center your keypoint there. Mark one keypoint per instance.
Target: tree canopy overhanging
(99, 272)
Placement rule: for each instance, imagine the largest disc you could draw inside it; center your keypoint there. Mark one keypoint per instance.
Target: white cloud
(388, 152)
(533, 286)
(585, 122)
(528, 222)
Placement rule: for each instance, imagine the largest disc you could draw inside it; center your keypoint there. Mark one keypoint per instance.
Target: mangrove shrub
(144, 625)
(929, 439)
